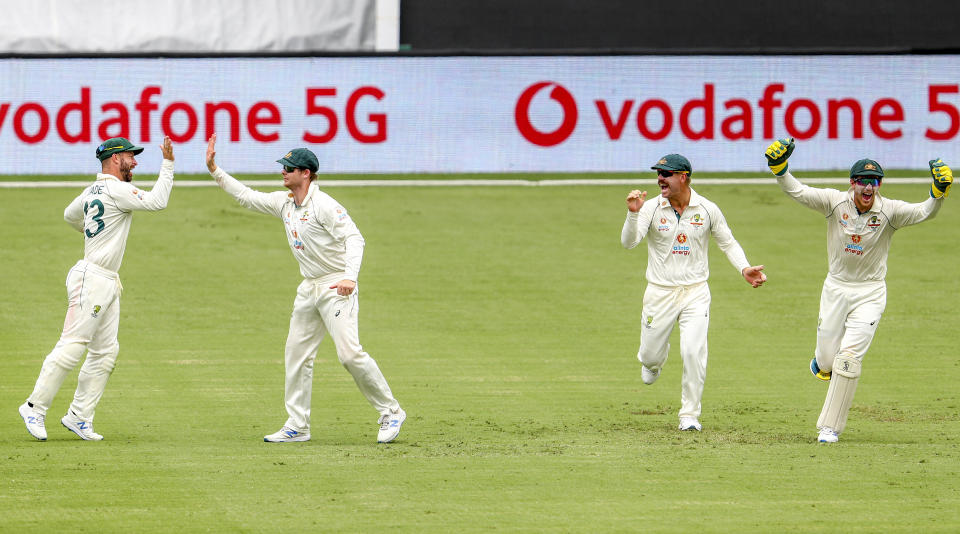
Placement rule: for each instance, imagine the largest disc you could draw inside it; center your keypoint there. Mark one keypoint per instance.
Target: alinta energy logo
(568, 105)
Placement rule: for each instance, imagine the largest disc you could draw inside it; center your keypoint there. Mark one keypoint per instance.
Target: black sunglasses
(289, 168)
(665, 174)
(863, 180)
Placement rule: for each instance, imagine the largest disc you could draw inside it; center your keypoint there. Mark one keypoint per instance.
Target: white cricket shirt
(322, 236)
(104, 210)
(677, 247)
(858, 243)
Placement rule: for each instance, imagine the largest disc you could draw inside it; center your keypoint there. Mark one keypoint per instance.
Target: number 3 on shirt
(96, 218)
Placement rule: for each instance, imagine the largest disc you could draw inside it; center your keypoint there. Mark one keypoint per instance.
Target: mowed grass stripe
(507, 322)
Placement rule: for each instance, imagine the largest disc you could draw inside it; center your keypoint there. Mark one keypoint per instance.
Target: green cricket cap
(301, 158)
(115, 145)
(866, 167)
(674, 163)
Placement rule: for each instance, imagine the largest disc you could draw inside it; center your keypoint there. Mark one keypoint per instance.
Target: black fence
(679, 26)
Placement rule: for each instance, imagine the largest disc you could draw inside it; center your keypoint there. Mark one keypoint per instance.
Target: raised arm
(269, 203)
(905, 213)
(777, 155)
(157, 198)
(638, 222)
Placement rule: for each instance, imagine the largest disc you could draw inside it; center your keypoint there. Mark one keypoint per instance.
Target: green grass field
(506, 320)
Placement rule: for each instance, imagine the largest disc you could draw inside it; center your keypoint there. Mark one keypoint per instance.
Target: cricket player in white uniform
(860, 227)
(102, 213)
(329, 248)
(678, 225)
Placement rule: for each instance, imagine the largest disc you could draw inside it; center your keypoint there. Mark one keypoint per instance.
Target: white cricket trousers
(91, 325)
(316, 311)
(849, 316)
(664, 306)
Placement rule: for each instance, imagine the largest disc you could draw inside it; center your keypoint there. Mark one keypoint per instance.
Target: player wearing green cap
(860, 227)
(329, 248)
(678, 226)
(103, 213)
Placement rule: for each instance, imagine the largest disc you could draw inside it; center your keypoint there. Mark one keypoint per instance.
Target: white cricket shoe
(690, 423)
(78, 426)
(828, 435)
(390, 426)
(34, 421)
(287, 434)
(648, 376)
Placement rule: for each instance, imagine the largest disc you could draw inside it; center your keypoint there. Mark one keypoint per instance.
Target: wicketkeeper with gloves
(860, 227)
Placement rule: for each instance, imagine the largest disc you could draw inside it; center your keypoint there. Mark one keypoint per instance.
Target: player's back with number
(104, 210)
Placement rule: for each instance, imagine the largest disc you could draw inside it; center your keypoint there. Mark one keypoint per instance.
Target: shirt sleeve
(131, 198)
(335, 219)
(813, 198)
(724, 237)
(269, 203)
(637, 224)
(74, 214)
(906, 213)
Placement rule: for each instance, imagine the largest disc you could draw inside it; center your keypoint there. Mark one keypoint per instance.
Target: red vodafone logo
(568, 106)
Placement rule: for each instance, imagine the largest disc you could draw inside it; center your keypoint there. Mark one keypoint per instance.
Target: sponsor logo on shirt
(663, 226)
(297, 244)
(681, 248)
(696, 220)
(305, 215)
(649, 321)
(341, 215)
(873, 223)
(136, 193)
(854, 248)
(96, 310)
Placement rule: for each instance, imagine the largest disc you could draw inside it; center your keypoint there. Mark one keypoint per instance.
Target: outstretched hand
(211, 153)
(635, 200)
(777, 155)
(942, 178)
(754, 275)
(167, 148)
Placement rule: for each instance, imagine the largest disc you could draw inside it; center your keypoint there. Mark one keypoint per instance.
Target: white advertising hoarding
(189, 26)
(482, 114)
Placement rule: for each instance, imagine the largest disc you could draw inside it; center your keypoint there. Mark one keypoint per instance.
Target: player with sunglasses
(329, 248)
(678, 226)
(860, 227)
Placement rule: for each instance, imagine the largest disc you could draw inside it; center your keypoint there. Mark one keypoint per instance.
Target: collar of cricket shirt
(306, 197)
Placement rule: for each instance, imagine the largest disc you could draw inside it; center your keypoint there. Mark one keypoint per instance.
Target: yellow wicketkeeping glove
(942, 178)
(777, 155)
